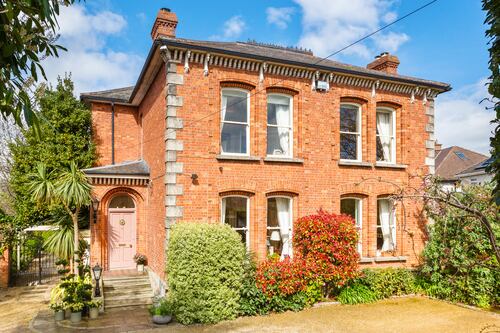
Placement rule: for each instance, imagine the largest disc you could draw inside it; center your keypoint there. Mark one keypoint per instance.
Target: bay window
(279, 226)
(352, 207)
(279, 125)
(235, 115)
(235, 213)
(386, 140)
(350, 132)
(386, 226)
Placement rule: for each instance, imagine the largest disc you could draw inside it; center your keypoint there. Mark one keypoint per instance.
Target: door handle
(124, 245)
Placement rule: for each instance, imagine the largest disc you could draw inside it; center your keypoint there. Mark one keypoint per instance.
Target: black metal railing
(31, 265)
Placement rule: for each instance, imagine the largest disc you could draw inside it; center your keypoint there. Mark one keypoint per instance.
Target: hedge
(205, 272)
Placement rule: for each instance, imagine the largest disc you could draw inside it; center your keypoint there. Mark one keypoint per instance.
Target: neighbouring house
(457, 165)
(255, 136)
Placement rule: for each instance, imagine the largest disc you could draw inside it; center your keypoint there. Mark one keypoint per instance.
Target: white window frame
(359, 137)
(290, 212)
(247, 229)
(392, 112)
(394, 225)
(359, 215)
(290, 126)
(222, 122)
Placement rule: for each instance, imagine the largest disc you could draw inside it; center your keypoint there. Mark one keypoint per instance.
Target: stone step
(135, 284)
(128, 292)
(126, 277)
(127, 301)
(124, 281)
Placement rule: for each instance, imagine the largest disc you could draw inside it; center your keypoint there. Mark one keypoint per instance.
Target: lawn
(409, 314)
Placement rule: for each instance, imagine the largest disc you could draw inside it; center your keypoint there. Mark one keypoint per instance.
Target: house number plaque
(122, 222)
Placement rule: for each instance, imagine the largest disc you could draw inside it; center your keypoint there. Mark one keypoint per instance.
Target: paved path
(412, 314)
(19, 305)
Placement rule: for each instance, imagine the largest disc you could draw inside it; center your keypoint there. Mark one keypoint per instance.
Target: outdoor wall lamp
(95, 207)
(97, 276)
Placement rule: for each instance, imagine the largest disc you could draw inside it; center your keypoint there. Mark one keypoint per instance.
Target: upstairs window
(350, 132)
(279, 226)
(386, 140)
(234, 211)
(279, 125)
(352, 207)
(386, 226)
(235, 115)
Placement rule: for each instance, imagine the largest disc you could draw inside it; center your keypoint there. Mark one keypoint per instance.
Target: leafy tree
(68, 187)
(27, 36)
(459, 260)
(492, 8)
(65, 137)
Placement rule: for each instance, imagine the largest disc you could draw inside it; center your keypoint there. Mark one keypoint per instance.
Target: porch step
(127, 291)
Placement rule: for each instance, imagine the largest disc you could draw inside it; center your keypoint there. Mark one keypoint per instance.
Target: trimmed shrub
(327, 244)
(388, 282)
(205, 272)
(253, 301)
(356, 294)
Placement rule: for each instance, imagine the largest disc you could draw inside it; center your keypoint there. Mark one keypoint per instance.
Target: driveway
(19, 305)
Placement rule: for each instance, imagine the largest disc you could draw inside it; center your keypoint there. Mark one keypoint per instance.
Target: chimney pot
(385, 62)
(165, 24)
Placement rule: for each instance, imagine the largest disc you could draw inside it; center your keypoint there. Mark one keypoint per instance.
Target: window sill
(371, 260)
(390, 165)
(355, 163)
(284, 160)
(237, 158)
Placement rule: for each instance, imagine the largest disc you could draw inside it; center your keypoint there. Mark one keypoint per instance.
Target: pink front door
(122, 239)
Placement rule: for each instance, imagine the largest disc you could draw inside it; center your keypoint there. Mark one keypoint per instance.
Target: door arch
(122, 232)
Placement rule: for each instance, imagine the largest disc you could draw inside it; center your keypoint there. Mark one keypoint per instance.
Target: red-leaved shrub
(327, 244)
(282, 277)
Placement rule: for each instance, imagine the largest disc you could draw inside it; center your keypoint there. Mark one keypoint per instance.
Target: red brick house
(256, 136)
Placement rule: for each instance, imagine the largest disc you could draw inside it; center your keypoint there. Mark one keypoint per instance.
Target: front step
(127, 291)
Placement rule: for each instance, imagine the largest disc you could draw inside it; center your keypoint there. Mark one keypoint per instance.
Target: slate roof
(113, 95)
(291, 56)
(260, 52)
(481, 166)
(454, 160)
(129, 168)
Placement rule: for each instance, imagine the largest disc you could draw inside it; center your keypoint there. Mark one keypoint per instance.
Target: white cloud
(462, 121)
(389, 17)
(92, 64)
(390, 41)
(232, 29)
(279, 16)
(330, 25)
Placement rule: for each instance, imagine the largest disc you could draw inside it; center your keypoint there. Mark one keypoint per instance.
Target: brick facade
(175, 127)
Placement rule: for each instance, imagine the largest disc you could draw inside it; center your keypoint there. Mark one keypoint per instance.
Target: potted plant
(58, 310)
(140, 260)
(94, 306)
(162, 311)
(76, 311)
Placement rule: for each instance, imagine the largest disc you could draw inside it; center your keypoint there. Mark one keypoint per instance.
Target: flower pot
(93, 313)
(76, 317)
(140, 268)
(59, 315)
(161, 320)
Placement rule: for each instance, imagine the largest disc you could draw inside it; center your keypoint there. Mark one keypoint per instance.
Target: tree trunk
(76, 244)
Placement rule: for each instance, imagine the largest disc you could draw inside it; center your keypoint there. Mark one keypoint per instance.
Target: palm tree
(69, 187)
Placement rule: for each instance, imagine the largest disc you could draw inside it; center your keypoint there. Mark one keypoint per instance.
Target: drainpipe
(112, 132)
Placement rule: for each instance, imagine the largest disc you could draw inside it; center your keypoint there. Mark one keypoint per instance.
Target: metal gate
(30, 264)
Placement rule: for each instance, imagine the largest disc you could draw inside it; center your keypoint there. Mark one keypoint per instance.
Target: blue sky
(108, 41)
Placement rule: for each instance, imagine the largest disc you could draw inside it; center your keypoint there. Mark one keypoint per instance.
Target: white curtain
(384, 208)
(282, 204)
(223, 210)
(282, 119)
(384, 131)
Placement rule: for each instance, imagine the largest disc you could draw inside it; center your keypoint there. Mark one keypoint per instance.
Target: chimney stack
(165, 24)
(385, 62)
